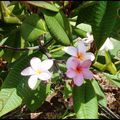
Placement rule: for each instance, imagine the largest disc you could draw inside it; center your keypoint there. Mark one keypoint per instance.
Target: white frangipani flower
(108, 45)
(37, 70)
(89, 38)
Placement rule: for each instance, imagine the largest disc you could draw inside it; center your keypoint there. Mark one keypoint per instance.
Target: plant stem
(99, 66)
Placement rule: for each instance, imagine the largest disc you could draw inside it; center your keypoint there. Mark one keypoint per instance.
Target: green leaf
(15, 90)
(56, 27)
(105, 19)
(115, 52)
(33, 27)
(100, 95)
(85, 101)
(64, 22)
(116, 30)
(114, 79)
(43, 4)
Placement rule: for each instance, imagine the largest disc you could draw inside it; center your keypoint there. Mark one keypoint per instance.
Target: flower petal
(78, 80)
(90, 56)
(45, 75)
(87, 74)
(27, 71)
(108, 45)
(86, 64)
(81, 47)
(35, 63)
(33, 82)
(71, 50)
(71, 62)
(46, 64)
(70, 73)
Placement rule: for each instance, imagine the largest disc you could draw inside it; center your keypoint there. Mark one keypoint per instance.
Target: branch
(24, 49)
(19, 49)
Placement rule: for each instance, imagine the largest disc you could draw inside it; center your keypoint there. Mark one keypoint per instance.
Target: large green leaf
(105, 19)
(64, 22)
(15, 89)
(43, 4)
(116, 30)
(57, 27)
(85, 101)
(102, 16)
(33, 27)
(100, 95)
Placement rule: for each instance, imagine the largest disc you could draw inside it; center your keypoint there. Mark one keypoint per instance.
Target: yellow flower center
(80, 56)
(38, 72)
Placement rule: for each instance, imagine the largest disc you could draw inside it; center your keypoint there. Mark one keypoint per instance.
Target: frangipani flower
(79, 52)
(37, 70)
(89, 38)
(78, 70)
(108, 45)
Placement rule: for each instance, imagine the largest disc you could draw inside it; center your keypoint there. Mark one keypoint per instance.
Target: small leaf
(114, 79)
(33, 27)
(85, 101)
(100, 95)
(43, 4)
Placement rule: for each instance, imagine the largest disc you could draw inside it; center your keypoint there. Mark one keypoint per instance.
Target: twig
(24, 49)
(108, 112)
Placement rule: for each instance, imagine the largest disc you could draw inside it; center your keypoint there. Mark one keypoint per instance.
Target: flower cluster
(78, 64)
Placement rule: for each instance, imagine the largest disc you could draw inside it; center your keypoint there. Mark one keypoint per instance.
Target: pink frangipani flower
(78, 70)
(37, 70)
(79, 52)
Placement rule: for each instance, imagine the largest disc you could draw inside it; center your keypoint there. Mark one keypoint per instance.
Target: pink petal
(70, 73)
(81, 47)
(87, 74)
(35, 63)
(78, 80)
(46, 64)
(45, 75)
(28, 71)
(71, 50)
(72, 62)
(32, 82)
(90, 56)
(86, 64)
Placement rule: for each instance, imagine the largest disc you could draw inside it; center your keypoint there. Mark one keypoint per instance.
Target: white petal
(28, 71)
(45, 75)
(71, 50)
(81, 47)
(46, 65)
(35, 63)
(33, 82)
(90, 56)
